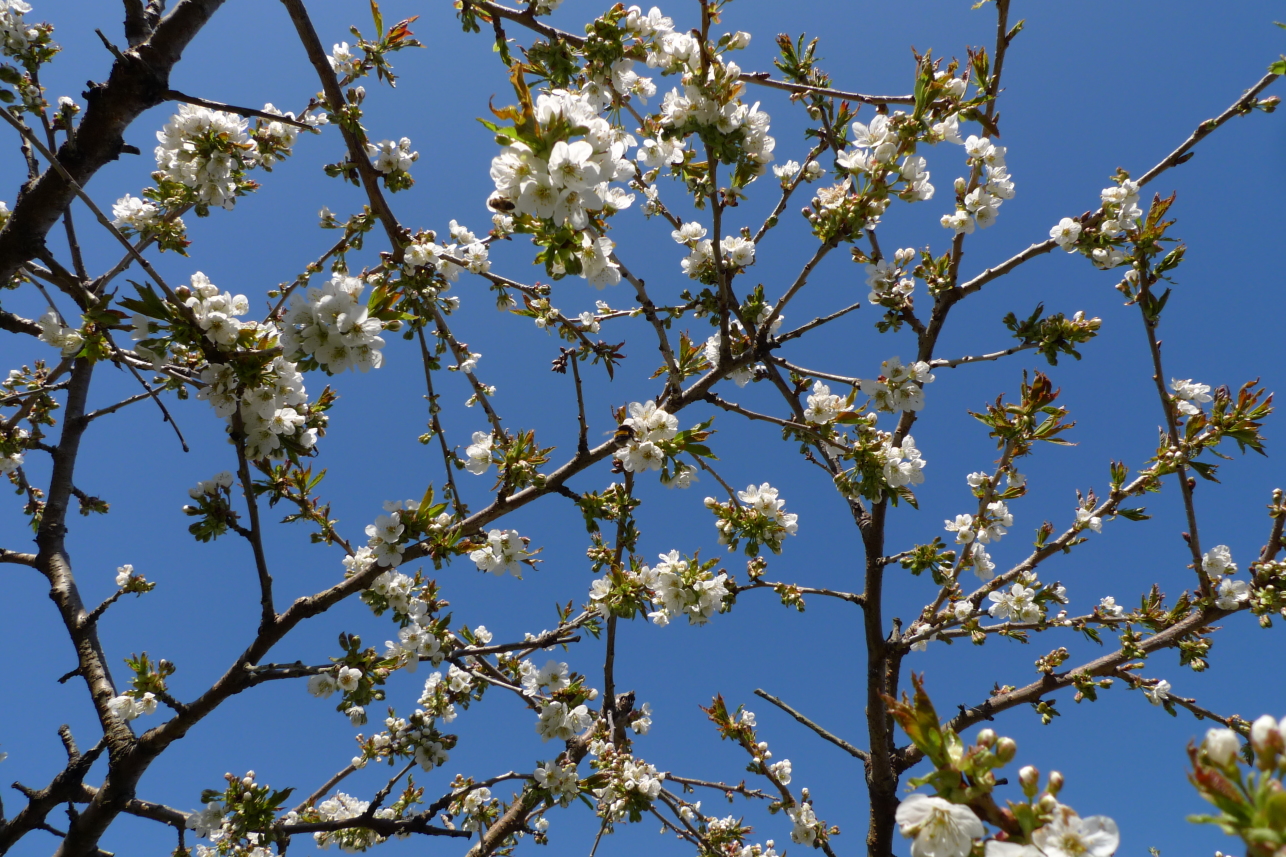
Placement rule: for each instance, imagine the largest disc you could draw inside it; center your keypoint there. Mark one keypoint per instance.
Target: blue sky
(1088, 87)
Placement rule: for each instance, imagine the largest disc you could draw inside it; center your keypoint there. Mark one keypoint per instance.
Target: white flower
(348, 678)
(558, 721)
(123, 574)
(504, 551)
(1158, 693)
(1189, 394)
(322, 684)
(388, 157)
(343, 61)
(1108, 607)
(1218, 560)
(1069, 835)
(781, 770)
(823, 406)
(1084, 518)
(940, 828)
(479, 453)
(1066, 233)
(805, 820)
(737, 251)
(962, 526)
(1014, 605)
(1232, 593)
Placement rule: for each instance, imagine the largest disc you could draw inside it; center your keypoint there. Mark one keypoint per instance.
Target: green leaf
(1278, 67)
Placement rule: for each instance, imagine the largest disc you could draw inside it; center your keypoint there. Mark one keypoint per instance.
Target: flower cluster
(981, 205)
(741, 340)
(823, 405)
(270, 412)
(736, 253)
(133, 704)
(465, 252)
(68, 340)
(649, 426)
(333, 327)
(899, 388)
(902, 465)
(629, 785)
(208, 152)
(1217, 562)
(760, 518)
(135, 216)
(342, 807)
(555, 184)
(706, 104)
(875, 151)
(686, 588)
(503, 551)
(1189, 395)
(561, 721)
(560, 781)
(392, 158)
(890, 286)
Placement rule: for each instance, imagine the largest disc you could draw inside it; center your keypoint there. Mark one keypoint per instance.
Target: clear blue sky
(1089, 87)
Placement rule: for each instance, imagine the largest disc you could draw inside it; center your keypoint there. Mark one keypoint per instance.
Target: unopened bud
(1047, 803)
(960, 185)
(1006, 749)
(987, 738)
(1221, 746)
(1055, 783)
(1266, 739)
(1028, 778)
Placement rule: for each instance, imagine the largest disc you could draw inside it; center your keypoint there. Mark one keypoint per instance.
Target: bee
(624, 434)
(500, 203)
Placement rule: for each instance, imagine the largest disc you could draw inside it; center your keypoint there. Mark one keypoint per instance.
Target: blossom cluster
(649, 426)
(874, 154)
(686, 588)
(341, 807)
(941, 828)
(555, 181)
(706, 103)
(890, 286)
(980, 206)
(630, 785)
(128, 706)
(560, 781)
(760, 518)
(741, 340)
(330, 324)
(67, 340)
(504, 550)
(207, 151)
(899, 387)
(272, 412)
(561, 721)
(465, 252)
